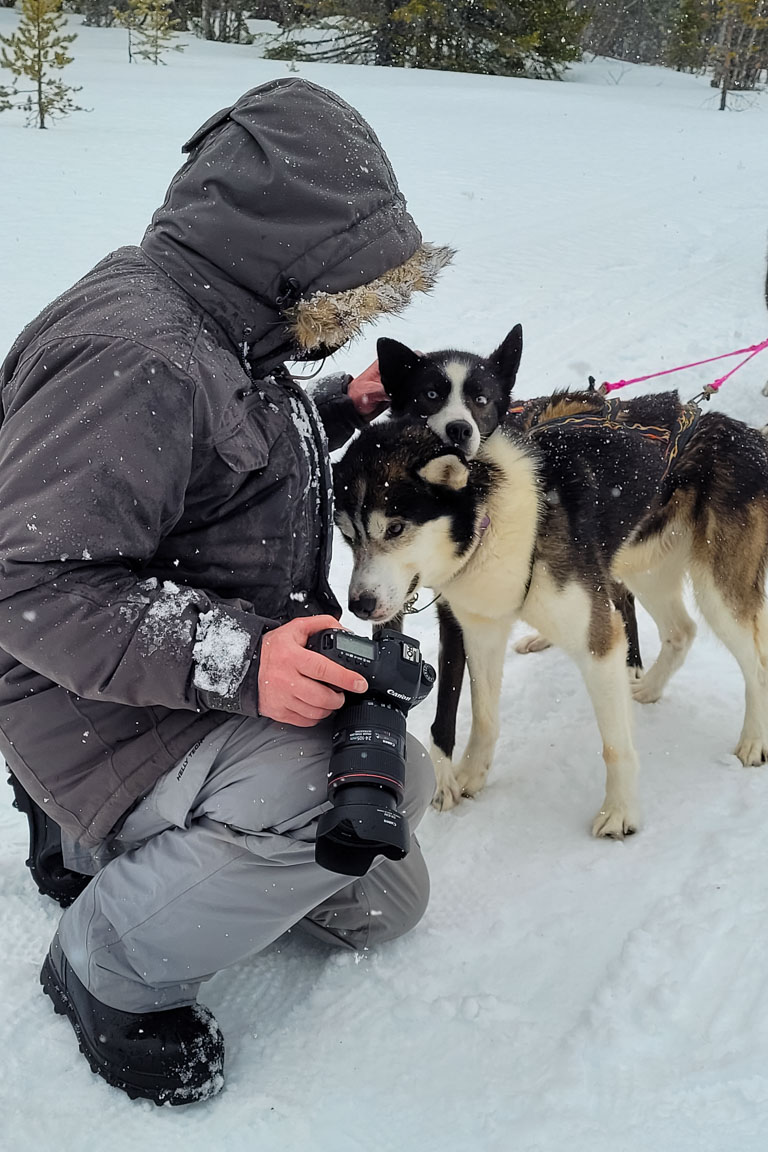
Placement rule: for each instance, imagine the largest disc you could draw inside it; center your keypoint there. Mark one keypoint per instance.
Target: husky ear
(447, 471)
(506, 358)
(396, 362)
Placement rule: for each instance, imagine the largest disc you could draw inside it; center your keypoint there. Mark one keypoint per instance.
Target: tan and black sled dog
(539, 526)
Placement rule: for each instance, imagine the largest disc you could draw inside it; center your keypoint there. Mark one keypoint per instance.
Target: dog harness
(672, 440)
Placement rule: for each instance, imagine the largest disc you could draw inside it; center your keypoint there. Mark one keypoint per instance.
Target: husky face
(461, 397)
(389, 568)
(404, 507)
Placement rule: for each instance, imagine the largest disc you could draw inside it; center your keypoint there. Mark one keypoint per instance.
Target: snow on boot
(172, 1057)
(45, 860)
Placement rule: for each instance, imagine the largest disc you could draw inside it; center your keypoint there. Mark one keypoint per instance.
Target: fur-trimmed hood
(287, 224)
(330, 319)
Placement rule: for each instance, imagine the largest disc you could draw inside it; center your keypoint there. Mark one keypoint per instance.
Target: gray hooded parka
(164, 488)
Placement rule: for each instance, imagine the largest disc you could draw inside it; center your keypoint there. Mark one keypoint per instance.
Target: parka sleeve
(95, 457)
(339, 416)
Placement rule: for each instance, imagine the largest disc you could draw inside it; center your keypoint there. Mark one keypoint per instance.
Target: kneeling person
(165, 531)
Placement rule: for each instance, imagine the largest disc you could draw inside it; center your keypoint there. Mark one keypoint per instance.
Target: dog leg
(450, 678)
(609, 690)
(625, 602)
(486, 645)
(748, 642)
(661, 594)
(590, 629)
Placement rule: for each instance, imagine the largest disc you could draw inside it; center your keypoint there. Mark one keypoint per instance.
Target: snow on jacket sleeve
(95, 458)
(338, 413)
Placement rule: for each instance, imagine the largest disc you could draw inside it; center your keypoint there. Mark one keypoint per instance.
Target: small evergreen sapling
(35, 52)
(150, 29)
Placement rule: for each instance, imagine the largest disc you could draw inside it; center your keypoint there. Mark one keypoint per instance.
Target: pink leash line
(753, 350)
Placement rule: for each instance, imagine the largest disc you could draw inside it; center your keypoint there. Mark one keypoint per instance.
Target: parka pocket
(248, 431)
(245, 450)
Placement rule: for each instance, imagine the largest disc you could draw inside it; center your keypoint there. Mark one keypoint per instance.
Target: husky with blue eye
(540, 526)
(463, 398)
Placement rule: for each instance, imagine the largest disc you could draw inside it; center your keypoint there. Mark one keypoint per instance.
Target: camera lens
(366, 774)
(366, 777)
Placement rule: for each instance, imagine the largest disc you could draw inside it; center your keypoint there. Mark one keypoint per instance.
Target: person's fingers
(284, 708)
(294, 681)
(296, 719)
(367, 392)
(317, 696)
(369, 402)
(320, 668)
(305, 626)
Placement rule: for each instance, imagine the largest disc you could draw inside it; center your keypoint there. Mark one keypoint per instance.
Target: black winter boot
(173, 1057)
(45, 860)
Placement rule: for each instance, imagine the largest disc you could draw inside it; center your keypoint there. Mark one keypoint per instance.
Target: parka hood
(287, 225)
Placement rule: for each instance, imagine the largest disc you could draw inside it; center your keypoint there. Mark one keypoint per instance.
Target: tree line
(730, 37)
(536, 38)
(531, 37)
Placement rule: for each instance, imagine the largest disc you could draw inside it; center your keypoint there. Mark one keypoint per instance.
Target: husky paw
(467, 779)
(533, 642)
(472, 784)
(752, 751)
(645, 689)
(447, 795)
(447, 788)
(614, 823)
(635, 675)
(472, 773)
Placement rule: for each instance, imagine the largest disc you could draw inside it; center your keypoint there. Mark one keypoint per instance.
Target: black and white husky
(539, 526)
(463, 398)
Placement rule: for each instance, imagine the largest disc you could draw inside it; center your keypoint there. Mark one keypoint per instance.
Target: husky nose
(458, 432)
(363, 606)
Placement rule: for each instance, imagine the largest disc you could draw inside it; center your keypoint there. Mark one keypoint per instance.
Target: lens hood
(358, 828)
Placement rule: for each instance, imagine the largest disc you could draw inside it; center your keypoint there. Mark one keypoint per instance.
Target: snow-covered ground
(562, 994)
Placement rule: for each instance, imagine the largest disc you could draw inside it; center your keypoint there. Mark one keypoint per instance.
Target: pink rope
(753, 350)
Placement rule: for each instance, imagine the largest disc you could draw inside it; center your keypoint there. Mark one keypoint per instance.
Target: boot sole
(63, 1006)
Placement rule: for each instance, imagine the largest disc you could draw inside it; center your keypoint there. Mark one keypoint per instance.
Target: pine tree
(35, 51)
(689, 39)
(151, 30)
(129, 18)
(536, 37)
(741, 54)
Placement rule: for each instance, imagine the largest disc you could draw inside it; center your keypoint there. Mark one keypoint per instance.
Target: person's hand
(294, 682)
(367, 393)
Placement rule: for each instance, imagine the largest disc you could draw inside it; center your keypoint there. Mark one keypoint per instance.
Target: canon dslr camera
(366, 774)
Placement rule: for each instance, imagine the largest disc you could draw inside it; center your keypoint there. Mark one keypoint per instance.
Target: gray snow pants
(217, 861)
